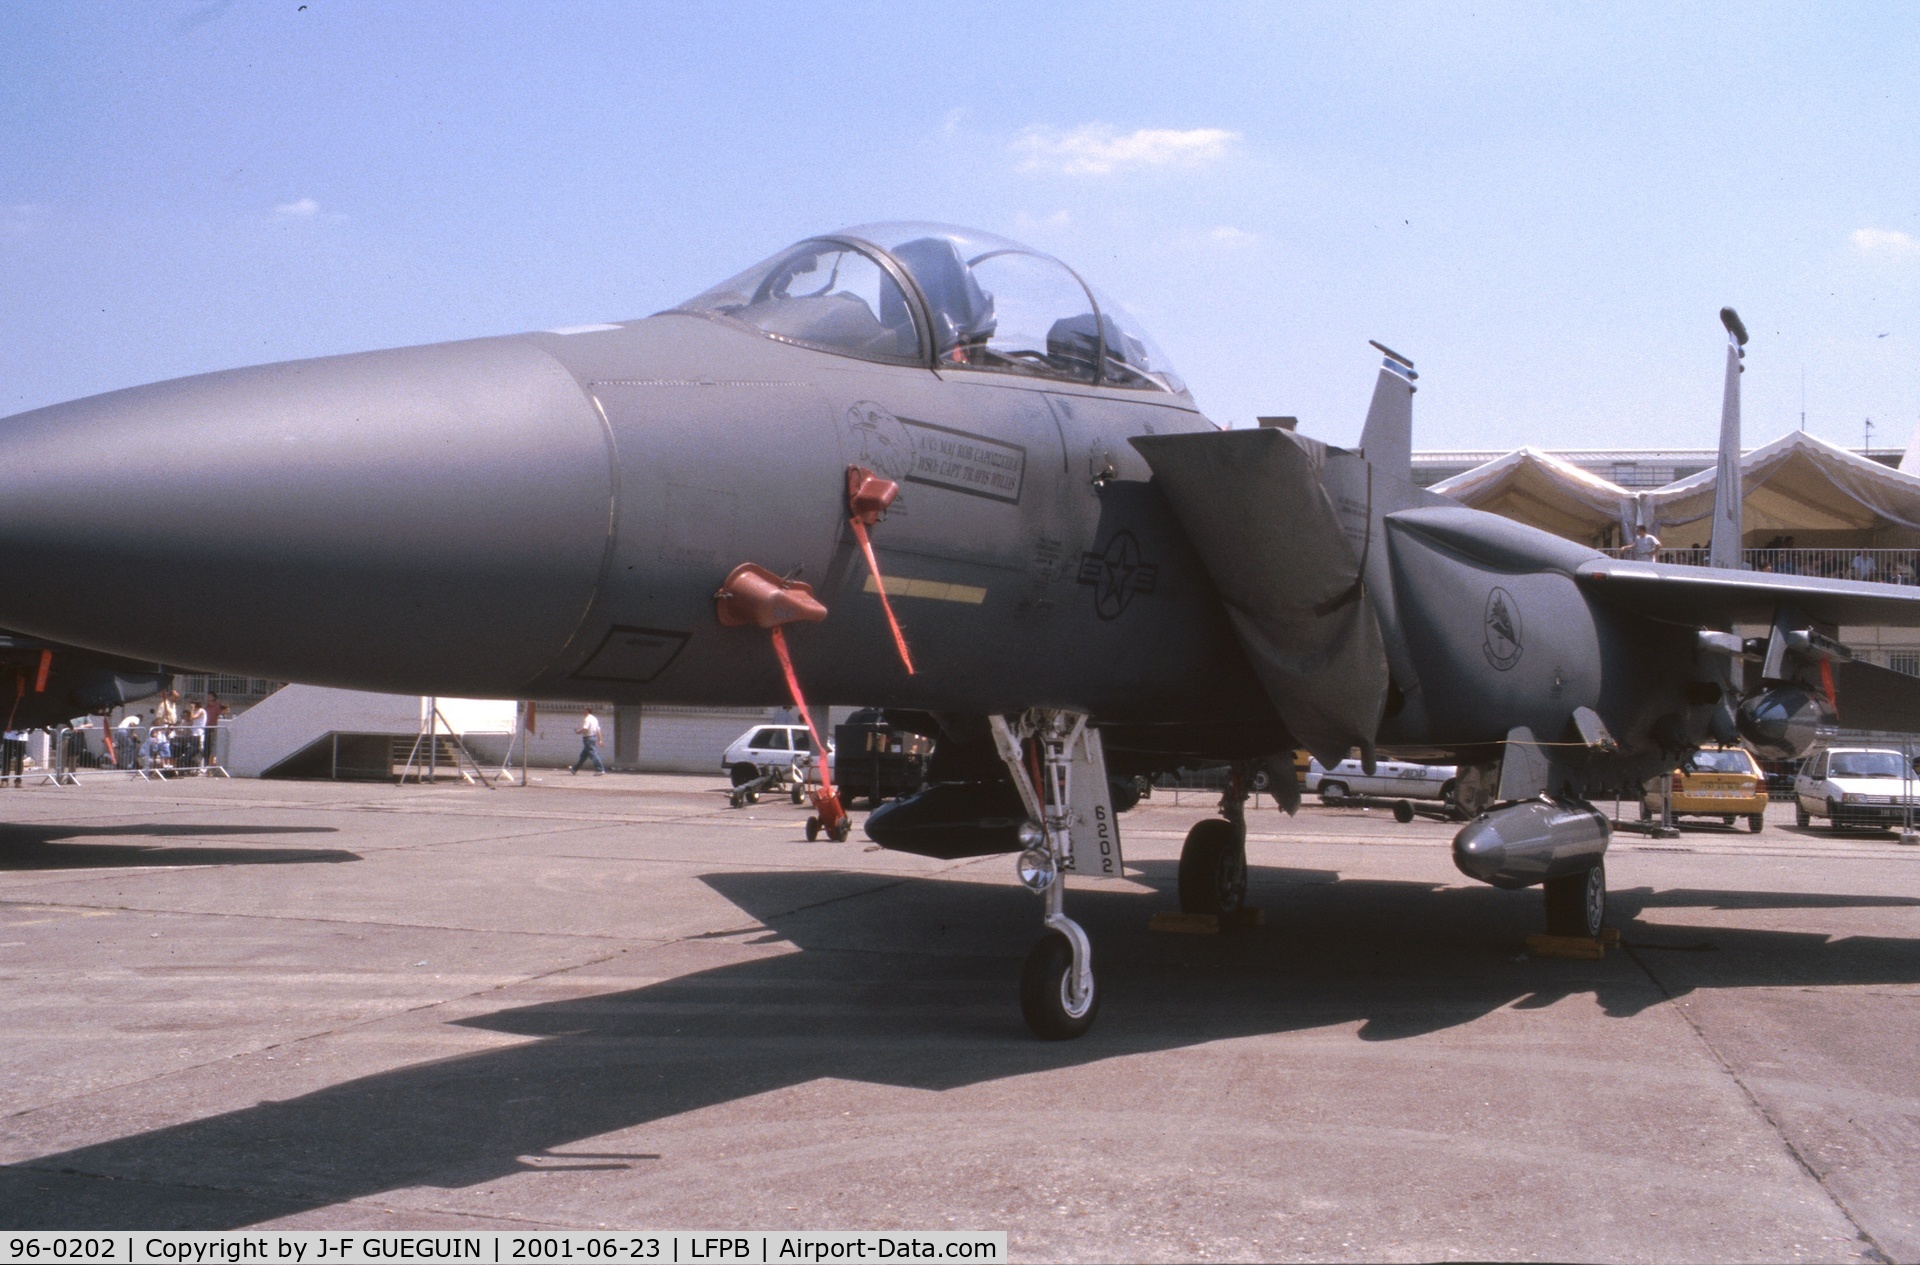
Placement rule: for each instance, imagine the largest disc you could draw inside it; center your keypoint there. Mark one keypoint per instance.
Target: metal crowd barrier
(148, 753)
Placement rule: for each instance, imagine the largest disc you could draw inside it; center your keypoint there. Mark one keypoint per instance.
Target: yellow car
(1723, 782)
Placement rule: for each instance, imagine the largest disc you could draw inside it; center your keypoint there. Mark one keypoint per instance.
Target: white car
(1390, 779)
(767, 748)
(1856, 786)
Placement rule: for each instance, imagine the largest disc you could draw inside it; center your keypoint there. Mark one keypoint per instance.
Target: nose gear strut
(1057, 994)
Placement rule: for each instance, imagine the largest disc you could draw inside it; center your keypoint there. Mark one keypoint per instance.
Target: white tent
(1796, 484)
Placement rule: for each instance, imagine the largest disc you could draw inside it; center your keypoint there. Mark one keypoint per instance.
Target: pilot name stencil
(962, 462)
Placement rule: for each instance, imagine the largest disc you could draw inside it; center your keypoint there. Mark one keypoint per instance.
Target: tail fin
(1724, 547)
(1387, 439)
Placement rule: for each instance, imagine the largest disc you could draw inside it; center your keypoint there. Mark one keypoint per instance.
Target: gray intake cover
(1253, 504)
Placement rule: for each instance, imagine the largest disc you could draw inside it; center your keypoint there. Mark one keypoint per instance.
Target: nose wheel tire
(1577, 903)
(1046, 992)
(1213, 868)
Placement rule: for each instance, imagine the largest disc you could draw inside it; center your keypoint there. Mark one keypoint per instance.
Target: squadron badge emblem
(1502, 644)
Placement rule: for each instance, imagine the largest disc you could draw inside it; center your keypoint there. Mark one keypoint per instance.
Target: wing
(1709, 597)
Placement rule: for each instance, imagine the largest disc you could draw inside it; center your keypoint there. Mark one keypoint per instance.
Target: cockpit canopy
(931, 294)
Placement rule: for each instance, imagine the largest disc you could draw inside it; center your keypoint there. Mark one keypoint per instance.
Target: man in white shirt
(1645, 544)
(126, 740)
(589, 732)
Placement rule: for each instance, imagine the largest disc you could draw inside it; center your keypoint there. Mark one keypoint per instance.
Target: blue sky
(1544, 206)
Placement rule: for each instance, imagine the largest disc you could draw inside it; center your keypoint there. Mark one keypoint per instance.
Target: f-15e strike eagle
(940, 474)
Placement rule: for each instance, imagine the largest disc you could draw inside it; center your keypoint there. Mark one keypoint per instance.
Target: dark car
(876, 760)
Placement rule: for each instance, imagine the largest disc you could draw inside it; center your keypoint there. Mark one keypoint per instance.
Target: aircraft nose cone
(427, 519)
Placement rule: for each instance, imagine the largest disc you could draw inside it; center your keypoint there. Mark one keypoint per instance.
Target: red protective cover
(868, 495)
(753, 595)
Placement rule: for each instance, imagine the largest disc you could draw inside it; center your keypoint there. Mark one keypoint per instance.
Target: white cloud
(1887, 243)
(1026, 223)
(1227, 235)
(1095, 149)
(299, 207)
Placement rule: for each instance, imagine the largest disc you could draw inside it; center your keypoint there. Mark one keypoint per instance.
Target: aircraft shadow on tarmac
(907, 983)
(47, 846)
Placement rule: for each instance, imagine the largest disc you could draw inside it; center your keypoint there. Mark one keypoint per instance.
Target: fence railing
(1888, 566)
(147, 752)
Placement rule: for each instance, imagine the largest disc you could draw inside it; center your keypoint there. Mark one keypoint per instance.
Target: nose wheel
(1056, 1004)
(1058, 997)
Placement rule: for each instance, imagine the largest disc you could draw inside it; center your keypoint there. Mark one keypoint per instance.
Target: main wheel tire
(1577, 903)
(1800, 817)
(1403, 811)
(1332, 791)
(1213, 868)
(1044, 1002)
(1757, 822)
(742, 773)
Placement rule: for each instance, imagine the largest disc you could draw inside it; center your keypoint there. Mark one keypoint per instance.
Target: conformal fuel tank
(1524, 844)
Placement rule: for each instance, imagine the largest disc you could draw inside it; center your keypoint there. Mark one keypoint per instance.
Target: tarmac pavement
(615, 1002)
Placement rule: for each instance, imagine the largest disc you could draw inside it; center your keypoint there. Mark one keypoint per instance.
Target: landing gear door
(1094, 829)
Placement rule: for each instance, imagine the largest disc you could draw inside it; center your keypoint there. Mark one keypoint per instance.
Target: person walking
(589, 732)
(1645, 544)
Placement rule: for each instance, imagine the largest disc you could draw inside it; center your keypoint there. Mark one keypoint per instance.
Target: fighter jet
(933, 470)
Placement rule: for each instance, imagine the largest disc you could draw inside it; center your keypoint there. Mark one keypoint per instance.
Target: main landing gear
(1213, 861)
(1577, 903)
(1058, 997)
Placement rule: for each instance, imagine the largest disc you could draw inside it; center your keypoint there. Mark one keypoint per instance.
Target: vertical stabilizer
(1387, 439)
(1728, 488)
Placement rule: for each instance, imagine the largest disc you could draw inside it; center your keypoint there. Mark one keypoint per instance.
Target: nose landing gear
(1058, 996)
